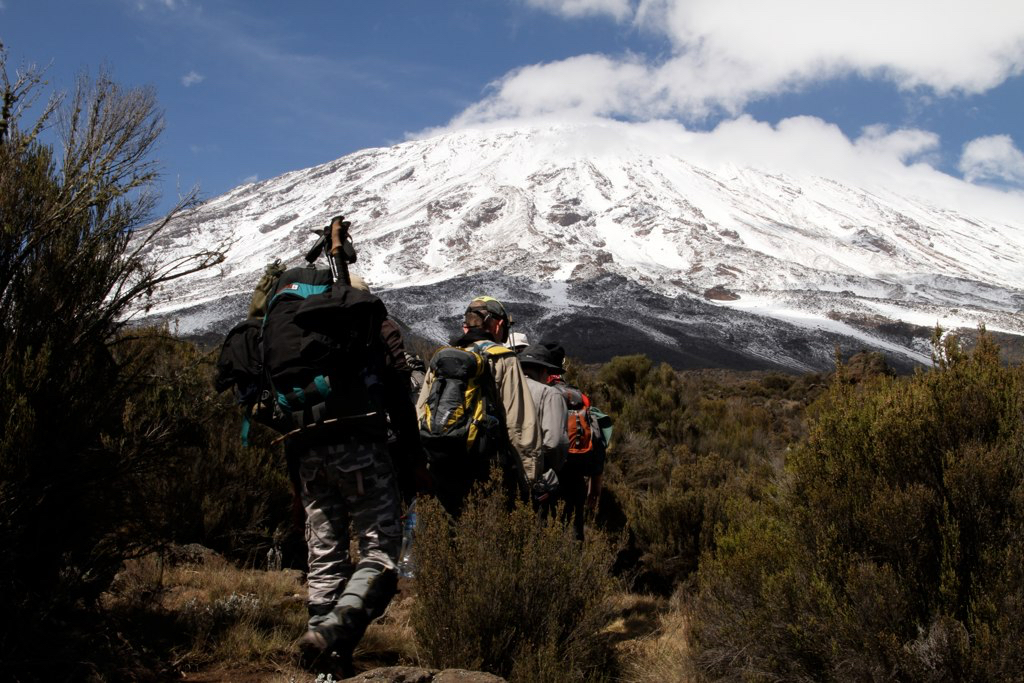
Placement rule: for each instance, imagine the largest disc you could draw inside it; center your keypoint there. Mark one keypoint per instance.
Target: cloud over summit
(726, 53)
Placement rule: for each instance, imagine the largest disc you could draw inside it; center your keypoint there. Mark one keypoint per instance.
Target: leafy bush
(685, 443)
(675, 524)
(501, 592)
(894, 551)
(204, 486)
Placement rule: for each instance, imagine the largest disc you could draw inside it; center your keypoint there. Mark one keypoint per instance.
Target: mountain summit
(615, 241)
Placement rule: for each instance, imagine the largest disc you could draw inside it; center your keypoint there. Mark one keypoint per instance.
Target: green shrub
(684, 444)
(77, 449)
(895, 550)
(204, 487)
(499, 591)
(675, 524)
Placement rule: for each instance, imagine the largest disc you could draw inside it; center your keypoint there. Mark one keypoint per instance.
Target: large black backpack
(313, 359)
(240, 364)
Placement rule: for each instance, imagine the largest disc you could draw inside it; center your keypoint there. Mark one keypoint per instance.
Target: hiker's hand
(337, 235)
(339, 228)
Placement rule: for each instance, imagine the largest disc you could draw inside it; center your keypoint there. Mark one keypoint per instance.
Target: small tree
(73, 233)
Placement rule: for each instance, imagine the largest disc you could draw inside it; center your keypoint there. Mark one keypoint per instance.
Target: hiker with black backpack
(314, 369)
(476, 412)
(587, 432)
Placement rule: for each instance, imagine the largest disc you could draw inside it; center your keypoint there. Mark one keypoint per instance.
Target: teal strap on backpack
(245, 430)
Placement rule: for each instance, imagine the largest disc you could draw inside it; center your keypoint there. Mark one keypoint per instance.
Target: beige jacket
(520, 412)
(553, 415)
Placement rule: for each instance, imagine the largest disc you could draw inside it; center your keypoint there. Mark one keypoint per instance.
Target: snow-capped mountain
(615, 244)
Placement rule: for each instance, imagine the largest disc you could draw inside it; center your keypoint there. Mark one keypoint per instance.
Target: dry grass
(232, 625)
(215, 614)
(226, 625)
(651, 640)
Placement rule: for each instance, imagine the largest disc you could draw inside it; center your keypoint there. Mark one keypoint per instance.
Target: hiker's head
(517, 341)
(540, 361)
(487, 315)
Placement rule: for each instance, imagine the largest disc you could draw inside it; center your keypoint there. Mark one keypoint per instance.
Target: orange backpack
(579, 427)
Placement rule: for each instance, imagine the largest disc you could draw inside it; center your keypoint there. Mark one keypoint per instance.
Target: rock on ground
(413, 674)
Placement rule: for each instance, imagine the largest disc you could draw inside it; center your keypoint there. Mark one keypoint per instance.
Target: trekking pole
(329, 421)
(330, 262)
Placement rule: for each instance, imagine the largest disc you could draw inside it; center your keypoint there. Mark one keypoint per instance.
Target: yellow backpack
(463, 415)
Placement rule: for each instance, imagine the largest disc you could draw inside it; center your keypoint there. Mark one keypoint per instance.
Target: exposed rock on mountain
(594, 236)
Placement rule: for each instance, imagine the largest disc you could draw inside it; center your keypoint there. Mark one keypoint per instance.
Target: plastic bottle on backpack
(406, 565)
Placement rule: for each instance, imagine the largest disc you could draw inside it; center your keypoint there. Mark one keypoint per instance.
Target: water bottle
(406, 566)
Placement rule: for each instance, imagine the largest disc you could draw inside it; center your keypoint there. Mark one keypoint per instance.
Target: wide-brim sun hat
(542, 355)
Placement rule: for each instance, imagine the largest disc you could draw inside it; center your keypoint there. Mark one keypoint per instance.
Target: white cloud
(250, 179)
(619, 9)
(192, 78)
(143, 5)
(993, 158)
(806, 145)
(727, 52)
(879, 160)
(906, 145)
(599, 86)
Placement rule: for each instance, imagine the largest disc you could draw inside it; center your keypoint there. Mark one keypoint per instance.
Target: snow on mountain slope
(616, 243)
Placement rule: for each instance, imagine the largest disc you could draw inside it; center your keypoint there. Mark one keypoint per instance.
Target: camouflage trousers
(349, 483)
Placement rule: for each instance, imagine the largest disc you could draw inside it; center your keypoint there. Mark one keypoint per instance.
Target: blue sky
(252, 89)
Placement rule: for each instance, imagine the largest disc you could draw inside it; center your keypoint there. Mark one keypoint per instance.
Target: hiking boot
(314, 649)
(321, 650)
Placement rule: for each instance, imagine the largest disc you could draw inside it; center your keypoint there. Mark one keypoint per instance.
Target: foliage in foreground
(500, 592)
(75, 452)
(895, 551)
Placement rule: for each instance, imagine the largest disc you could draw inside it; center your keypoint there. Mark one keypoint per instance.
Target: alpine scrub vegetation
(894, 548)
(72, 455)
(498, 591)
(686, 444)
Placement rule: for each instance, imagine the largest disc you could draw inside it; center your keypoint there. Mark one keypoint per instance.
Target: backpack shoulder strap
(574, 398)
(490, 351)
(495, 350)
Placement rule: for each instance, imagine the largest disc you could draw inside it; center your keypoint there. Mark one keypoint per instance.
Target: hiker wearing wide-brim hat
(540, 363)
(581, 470)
